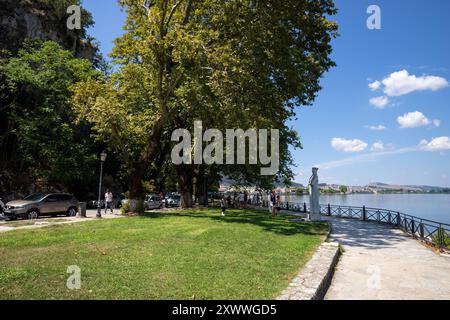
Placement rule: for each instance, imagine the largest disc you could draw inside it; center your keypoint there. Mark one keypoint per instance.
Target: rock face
(37, 19)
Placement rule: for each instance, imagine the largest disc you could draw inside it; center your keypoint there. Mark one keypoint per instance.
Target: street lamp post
(99, 208)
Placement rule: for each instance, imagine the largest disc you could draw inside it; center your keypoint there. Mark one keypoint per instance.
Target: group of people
(237, 201)
(242, 199)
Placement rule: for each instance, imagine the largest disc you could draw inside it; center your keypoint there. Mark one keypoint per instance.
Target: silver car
(42, 204)
(152, 202)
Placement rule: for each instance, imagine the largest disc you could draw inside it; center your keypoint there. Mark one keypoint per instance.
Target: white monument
(314, 207)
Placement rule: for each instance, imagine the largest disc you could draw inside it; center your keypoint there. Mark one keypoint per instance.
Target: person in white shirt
(109, 201)
(270, 203)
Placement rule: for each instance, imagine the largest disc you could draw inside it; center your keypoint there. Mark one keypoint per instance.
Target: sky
(383, 114)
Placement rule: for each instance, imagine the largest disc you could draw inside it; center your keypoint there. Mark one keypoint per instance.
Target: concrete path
(47, 221)
(380, 262)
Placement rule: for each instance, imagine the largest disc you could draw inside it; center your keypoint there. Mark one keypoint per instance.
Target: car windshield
(35, 197)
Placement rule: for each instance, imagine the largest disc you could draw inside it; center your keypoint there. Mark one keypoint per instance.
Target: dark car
(42, 204)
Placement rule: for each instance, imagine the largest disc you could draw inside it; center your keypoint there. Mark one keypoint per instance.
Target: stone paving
(380, 262)
(312, 281)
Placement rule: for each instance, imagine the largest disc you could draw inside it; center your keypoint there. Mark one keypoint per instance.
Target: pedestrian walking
(109, 201)
(269, 202)
(222, 206)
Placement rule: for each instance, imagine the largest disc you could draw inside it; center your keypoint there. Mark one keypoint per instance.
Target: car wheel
(71, 212)
(32, 214)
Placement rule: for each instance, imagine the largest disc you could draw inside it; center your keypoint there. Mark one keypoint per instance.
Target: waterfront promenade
(380, 262)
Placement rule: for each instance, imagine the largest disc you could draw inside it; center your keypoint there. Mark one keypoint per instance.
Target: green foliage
(234, 64)
(343, 189)
(125, 208)
(37, 84)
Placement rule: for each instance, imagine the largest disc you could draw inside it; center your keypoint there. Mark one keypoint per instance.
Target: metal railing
(432, 232)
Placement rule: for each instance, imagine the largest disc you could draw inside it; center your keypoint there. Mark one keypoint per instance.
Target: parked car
(152, 201)
(173, 201)
(42, 204)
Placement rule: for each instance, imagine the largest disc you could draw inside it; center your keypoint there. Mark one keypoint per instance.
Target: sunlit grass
(190, 254)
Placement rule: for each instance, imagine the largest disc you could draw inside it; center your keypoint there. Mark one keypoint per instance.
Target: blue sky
(407, 61)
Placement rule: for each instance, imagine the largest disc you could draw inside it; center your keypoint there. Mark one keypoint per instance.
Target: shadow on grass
(278, 224)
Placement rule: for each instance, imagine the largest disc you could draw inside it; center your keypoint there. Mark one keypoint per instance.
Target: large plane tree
(232, 64)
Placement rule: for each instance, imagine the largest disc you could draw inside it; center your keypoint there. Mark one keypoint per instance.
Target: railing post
(441, 236)
(398, 219)
(421, 230)
(364, 213)
(412, 227)
(329, 210)
(287, 205)
(304, 207)
(389, 218)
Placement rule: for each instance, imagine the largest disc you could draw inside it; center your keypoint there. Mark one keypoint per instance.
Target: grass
(190, 254)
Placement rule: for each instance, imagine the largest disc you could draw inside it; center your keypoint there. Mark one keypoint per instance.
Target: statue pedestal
(315, 217)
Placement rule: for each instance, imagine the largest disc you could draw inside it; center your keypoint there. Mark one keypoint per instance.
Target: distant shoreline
(363, 193)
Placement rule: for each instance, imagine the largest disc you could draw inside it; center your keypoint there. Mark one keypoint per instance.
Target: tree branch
(172, 11)
(188, 11)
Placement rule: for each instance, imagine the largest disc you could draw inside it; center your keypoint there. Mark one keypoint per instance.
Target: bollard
(82, 210)
(287, 205)
(304, 207)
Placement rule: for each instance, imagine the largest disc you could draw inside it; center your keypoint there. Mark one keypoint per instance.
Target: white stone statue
(314, 210)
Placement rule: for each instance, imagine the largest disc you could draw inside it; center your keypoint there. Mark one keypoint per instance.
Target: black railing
(433, 232)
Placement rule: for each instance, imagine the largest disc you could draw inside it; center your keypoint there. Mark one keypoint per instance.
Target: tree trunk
(136, 189)
(185, 175)
(201, 187)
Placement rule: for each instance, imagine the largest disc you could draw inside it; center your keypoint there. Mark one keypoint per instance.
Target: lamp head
(103, 156)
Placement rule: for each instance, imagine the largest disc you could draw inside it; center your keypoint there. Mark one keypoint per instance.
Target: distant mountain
(230, 182)
(406, 188)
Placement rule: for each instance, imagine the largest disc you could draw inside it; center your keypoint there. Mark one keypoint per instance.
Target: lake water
(427, 206)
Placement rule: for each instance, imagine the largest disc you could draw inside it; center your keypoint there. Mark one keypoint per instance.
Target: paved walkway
(46, 221)
(380, 262)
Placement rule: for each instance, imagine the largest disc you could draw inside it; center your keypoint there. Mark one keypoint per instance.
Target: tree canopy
(232, 64)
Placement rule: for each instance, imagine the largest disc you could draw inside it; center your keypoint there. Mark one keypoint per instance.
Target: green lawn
(191, 254)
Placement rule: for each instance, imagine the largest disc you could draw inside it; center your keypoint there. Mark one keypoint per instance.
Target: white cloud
(375, 85)
(378, 146)
(354, 145)
(401, 82)
(437, 122)
(436, 144)
(439, 144)
(379, 102)
(376, 128)
(413, 120)
(367, 157)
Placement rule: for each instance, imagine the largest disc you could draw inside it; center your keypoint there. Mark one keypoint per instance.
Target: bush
(125, 208)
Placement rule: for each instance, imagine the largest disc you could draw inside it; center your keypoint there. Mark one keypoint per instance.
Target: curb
(314, 279)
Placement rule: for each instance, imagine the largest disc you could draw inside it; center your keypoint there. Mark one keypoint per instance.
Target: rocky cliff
(42, 19)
